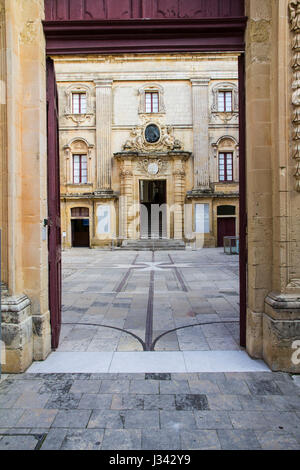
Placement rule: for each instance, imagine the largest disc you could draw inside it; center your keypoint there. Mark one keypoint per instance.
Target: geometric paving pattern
(162, 301)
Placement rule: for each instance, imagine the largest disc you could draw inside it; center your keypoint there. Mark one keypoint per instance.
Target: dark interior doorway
(153, 198)
(80, 232)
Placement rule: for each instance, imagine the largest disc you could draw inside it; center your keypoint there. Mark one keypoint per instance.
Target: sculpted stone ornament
(294, 284)
(152, 137)
(294, 9)
(152, 167)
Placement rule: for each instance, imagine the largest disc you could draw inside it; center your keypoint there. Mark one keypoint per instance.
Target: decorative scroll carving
(138, 142)
(294, 8)
(294, 284)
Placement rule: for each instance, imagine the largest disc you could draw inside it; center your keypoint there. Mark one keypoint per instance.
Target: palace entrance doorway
(153, 209)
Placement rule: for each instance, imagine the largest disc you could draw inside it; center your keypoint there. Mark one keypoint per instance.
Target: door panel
(54, 233)
(226, 228)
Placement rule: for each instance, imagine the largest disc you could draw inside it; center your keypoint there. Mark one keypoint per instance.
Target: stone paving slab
(157, 411)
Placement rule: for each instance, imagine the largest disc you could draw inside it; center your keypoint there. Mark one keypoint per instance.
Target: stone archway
(273, 306)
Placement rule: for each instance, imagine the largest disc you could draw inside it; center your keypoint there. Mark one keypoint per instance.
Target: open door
(54, 235)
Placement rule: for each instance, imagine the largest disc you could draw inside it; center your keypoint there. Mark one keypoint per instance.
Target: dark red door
(54, 235)
(226, 228)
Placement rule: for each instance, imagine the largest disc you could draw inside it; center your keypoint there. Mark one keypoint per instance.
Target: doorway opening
(80, 233)
(226, 223)
(153, 217)
(80, 227)
(178, 276)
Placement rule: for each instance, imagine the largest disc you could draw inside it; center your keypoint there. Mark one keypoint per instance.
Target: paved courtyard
(150, 411)
(151, 301)
(150, 304)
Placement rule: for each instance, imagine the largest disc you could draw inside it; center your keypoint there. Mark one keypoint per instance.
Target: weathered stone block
(17, 333)
(281, 332)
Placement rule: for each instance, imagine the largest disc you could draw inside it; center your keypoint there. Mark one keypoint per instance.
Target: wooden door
(80, 233)
(226, 228)
(54, 234)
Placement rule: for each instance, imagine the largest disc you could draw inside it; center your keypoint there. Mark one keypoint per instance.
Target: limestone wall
(26, 195)
(273, 203)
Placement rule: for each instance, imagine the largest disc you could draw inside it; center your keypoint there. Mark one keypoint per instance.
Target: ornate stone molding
(226, 141)
(294, 284)
(294, 9)
(149, 166)
(226, 86)
(152, 87)
(166, 142)
(78, 118)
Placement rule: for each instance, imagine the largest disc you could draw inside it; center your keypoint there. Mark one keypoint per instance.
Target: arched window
(78, 166)
(226, 153)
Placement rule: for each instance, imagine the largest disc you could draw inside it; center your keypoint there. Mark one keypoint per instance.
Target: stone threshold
(147, 362)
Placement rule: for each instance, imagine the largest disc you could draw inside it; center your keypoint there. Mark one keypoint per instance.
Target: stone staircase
(153, 245)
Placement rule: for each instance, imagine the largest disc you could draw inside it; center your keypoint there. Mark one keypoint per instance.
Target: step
(146, 245)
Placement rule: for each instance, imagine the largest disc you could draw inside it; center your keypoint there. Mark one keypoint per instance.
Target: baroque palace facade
(265, 32)
(148, 148)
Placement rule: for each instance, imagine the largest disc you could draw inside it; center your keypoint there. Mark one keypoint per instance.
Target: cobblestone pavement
(139, 296)
(150, 411)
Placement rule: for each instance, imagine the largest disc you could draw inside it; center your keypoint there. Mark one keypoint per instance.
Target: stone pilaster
(103, 133)
(200, 131)
(179, 194)
(3, 148)
(126, 200)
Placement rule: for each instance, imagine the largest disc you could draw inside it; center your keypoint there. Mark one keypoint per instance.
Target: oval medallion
(152, 134)
(153, 168)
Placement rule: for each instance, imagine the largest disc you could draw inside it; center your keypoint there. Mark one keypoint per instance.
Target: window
(79, 212)
(103, 215)
(79, 169)
(226, 210)
(225, 167)
(151, 102)
(225, 101)
(202, 218)
(79, 103)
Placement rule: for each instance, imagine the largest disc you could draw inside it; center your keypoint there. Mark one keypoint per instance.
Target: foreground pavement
(208, 411)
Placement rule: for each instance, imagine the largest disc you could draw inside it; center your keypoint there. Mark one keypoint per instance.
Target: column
(126, 200)
(179, 193)
(200, 131)
(103, 133)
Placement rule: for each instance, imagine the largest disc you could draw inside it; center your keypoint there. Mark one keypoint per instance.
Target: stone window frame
(151, 87)
(78, 88)
(69, 151)
(225, 86)
(233, 148)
